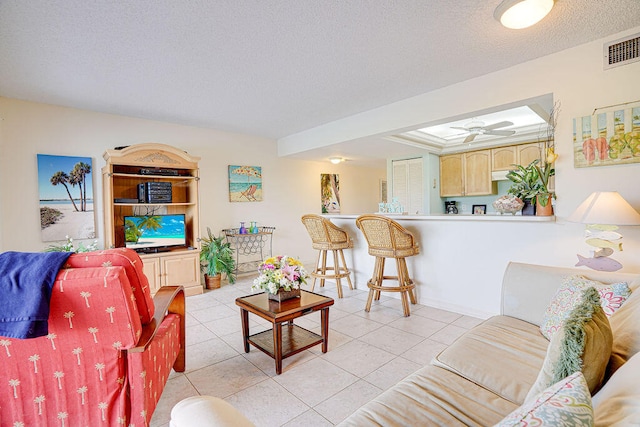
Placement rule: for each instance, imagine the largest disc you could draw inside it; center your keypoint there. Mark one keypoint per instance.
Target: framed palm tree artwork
(65, 188)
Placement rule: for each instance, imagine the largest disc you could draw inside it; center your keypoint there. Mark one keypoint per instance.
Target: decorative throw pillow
(583, 344)
(568, 295)
(566, 403)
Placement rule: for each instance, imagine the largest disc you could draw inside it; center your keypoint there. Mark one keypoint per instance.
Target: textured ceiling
(270, 68)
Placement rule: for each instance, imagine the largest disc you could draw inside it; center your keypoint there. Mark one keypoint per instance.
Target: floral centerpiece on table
(280, 273)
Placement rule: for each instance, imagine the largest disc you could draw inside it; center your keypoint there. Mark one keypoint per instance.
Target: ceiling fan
(477, 127)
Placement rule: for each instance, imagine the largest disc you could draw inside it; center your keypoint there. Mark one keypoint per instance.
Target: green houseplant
(216, 257)
(525, 185)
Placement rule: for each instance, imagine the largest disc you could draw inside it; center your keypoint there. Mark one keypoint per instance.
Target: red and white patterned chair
(109, 350)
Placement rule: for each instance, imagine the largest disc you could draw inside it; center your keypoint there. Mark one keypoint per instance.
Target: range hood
(499, 176)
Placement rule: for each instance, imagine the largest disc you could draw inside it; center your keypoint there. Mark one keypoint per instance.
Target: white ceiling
(270, 68)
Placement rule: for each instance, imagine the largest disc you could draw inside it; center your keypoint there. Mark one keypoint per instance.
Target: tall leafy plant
(216, 257)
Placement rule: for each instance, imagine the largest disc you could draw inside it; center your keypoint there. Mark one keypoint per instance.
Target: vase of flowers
(280, 277)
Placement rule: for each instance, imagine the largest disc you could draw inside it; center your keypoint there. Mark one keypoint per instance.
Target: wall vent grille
(622, 52)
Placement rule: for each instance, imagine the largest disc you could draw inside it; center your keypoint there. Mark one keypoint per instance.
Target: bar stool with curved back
(388, 239)
(326, 236)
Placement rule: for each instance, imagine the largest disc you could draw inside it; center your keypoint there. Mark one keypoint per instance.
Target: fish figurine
(602, 227)
(606, 235)
(602, 252)
(601, 243)
(600, 263)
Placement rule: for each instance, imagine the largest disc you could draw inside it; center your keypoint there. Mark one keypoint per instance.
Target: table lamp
(603, 212)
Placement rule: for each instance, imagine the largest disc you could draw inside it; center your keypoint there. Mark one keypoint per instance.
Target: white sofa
(487, 373)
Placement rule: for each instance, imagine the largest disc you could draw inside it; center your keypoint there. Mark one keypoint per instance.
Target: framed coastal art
(65, 187)
(245, 183)
(610, 136)
(330, 193)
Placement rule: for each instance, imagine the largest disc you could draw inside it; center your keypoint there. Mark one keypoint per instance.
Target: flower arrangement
(280, 272)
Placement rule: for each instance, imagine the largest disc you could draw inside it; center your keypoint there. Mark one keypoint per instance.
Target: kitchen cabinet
(503, 158)
(466, 174)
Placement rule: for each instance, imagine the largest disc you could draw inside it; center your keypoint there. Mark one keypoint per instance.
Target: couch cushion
(625, 325)
(132, 264)
(569, 295)
(432, 396)
(582, 344)
(618, 401)
(502, 354)
(566, 403)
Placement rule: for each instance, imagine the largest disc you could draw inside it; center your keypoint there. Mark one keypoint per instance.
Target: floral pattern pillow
(566, 403)
(569, 295)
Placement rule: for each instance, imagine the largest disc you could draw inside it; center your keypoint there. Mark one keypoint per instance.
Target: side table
(281, 342)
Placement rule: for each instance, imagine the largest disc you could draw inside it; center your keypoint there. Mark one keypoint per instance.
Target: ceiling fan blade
(470, 138)
(498, 125)
(458, 127)
(500, 132)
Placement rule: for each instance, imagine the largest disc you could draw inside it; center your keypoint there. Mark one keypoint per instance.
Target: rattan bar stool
(326, 236)
(388, 239)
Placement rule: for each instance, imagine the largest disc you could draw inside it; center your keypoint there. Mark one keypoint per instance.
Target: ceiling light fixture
(518, 14)
(336, 160)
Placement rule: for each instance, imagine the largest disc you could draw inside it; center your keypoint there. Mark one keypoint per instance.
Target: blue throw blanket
(26, 281)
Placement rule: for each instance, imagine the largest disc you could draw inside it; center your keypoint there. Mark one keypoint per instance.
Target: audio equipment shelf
(169, 178)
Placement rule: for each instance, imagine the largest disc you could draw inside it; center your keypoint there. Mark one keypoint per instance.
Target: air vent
(622, 52)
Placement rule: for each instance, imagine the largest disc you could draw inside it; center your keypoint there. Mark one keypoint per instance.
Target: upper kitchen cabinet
(466, 174)
(503, 158)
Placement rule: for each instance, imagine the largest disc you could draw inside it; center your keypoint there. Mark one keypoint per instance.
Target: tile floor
(368, 353)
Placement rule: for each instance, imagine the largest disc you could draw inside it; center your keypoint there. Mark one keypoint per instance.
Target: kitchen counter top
(458, 217)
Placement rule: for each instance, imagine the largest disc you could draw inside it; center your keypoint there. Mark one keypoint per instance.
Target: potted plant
(216, 257)
(544, 196)
(525, 185)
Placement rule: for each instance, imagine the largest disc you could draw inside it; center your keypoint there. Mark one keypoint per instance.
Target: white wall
(291, 187)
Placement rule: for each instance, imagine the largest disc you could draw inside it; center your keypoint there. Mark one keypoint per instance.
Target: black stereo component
(158, 171)
(154, 192)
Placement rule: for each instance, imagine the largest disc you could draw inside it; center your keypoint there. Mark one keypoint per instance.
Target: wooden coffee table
(282, 342)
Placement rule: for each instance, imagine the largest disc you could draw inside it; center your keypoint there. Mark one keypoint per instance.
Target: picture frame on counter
(479, 209)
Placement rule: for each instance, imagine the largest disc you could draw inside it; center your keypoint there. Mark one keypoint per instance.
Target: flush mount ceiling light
(517, 14)
(336, 160)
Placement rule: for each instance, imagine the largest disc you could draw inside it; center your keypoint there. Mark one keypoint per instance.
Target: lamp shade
(518, 14)
(605, 207)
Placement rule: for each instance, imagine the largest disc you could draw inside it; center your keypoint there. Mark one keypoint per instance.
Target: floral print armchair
(109, 350)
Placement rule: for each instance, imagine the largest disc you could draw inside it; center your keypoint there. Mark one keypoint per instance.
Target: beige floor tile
(350, 305)
(424, 352)
(358, 358)
(198, 333)
(175, 390)
(315, 381)
(336, 339)
(309, 419)
(354, 326)
(213, 313)
(341, 405)
(437, 314)
(391, 339)
(391, 373)
(227, 377)
(267, 404)
(267, 364)
(448, 334)
(418, 325)
(207, 353)
(381, 314)
(467, 322)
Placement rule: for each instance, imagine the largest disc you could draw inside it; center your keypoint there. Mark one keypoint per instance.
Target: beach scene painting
(607, 137)
(330, 193)
(245, 183)
(65, 186)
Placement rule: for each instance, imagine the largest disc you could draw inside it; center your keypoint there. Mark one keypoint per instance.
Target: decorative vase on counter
(528, 208)
(508, 204)
(254, 228)
(243, 229)
(544, 210)
(283, 295)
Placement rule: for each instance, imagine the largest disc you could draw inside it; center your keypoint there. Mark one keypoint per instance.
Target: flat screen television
(152, 233)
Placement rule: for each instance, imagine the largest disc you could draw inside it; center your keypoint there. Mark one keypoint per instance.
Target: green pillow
(582, 344)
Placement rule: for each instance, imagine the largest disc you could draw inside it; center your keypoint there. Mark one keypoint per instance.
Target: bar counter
(462, 257)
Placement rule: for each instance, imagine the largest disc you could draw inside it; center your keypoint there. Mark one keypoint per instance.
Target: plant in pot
(525, 185)
(216, 257)
(544, 195)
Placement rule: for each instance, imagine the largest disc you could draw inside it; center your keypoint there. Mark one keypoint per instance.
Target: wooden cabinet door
(477, 173)
(151, 268)
(451, 175)
(529, 152)
(503, 158)
(183, 269)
